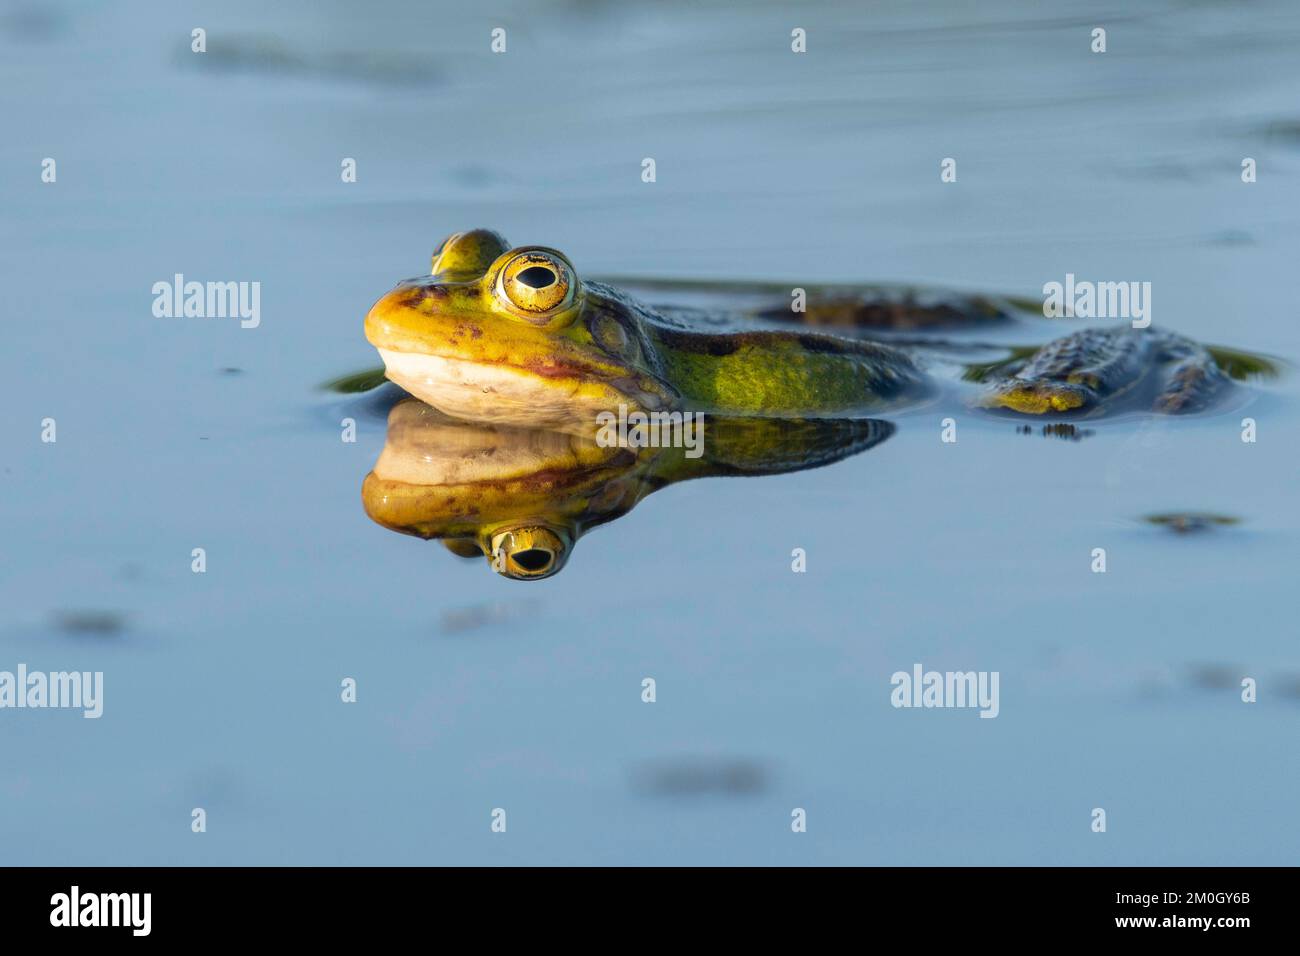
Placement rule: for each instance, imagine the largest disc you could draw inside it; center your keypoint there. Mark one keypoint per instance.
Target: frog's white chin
(494, 394)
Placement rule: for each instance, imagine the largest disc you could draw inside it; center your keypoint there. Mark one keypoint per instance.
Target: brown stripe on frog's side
(879, 307)
(886, 314)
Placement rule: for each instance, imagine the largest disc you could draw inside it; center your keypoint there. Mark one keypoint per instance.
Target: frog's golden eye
(529, 553)
(537, 282)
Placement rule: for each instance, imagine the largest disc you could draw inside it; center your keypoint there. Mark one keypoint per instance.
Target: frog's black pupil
(532, 559)
(536, 277)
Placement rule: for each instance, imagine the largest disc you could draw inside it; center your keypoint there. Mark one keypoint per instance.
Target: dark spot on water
(90, 622)
(698, 777)
(33, 22)
(479, 616)
(1187, 522)
(475, 176)
(233, 53)
(1284, 129)
(1288, 685)
(231, 370)
(1062, 430)
(1215, 676)
(1232, 237)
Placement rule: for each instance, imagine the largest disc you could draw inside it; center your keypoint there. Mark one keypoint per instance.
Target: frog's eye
(537, 282)
(528, 554)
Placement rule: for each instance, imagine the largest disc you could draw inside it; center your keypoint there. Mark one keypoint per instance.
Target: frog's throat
(508, 394)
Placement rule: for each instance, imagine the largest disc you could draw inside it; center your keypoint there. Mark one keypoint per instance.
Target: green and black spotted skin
(515, 337)
(1095, 368)
(768, 372)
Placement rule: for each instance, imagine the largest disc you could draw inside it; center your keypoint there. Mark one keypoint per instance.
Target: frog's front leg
(1074, 373)
(1193, 380)
(1095, 368)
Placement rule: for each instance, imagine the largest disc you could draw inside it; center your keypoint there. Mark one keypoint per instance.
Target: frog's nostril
(532, 560)
(536, 277)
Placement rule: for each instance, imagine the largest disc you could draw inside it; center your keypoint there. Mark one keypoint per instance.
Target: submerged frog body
(515, 337)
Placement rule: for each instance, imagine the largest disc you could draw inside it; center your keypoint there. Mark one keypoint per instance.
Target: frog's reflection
(522, 498)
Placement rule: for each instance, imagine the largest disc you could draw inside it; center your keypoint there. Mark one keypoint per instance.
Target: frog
(513, 336)
(521, 498)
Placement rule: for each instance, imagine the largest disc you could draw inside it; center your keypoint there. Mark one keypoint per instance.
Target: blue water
(222, 688)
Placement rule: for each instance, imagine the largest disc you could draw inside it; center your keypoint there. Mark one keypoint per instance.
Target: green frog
(523, 497)
(513, 336)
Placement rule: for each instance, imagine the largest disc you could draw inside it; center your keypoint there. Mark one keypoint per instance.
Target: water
(222, 689)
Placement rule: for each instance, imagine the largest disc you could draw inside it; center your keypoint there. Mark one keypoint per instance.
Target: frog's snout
(1039, 397)
(528, 553)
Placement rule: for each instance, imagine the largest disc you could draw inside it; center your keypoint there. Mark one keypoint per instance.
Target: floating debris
(1288, 685)
(702, 777)
(459, 620)
(1216, 676)
(33, 22)
(90, 622)
(1185, 522)
(1062, 430)
(270, 55)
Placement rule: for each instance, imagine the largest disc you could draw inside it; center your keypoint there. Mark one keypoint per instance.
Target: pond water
(222, 689)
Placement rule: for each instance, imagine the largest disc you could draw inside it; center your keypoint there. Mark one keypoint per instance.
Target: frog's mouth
(549, 395)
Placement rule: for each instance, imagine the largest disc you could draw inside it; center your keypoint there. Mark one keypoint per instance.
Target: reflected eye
(537, 282)
(527, 554)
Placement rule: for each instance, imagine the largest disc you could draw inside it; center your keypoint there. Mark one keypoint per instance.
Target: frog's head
(513, 336)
